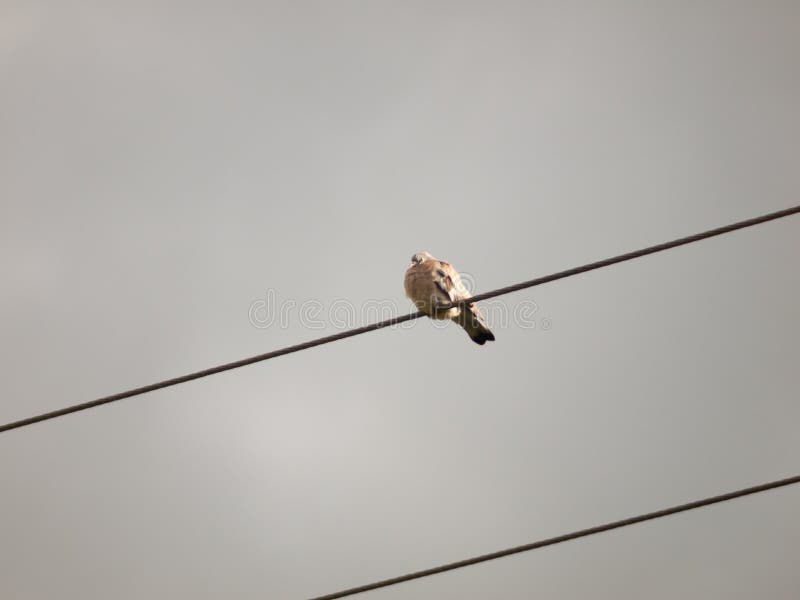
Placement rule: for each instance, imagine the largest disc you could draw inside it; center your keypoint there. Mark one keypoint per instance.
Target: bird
(434, 285)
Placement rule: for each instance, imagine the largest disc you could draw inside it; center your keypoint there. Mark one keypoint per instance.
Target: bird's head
(421, 257)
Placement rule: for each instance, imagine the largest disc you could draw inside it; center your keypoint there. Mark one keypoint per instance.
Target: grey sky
(164, 164)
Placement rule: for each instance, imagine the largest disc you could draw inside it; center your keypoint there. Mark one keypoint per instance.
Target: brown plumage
(432, 283)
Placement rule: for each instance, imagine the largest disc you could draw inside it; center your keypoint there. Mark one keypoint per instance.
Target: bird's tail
(472, 322)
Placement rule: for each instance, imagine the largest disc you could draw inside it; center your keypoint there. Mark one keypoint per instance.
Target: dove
(433, 284)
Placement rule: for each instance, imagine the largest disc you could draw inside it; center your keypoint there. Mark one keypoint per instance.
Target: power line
(636, 254)
(562, 538)
(397, 320)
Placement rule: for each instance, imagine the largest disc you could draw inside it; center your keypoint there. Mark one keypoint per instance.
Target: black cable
(396, 320)
(561, 538)
(637, 253)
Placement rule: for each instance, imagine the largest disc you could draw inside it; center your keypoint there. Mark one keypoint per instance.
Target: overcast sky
(166, 167)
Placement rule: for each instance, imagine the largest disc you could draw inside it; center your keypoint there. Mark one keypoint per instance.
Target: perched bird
(432, 284)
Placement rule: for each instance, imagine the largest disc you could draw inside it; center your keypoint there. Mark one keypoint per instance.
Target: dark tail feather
(473, 324)
(481, 337)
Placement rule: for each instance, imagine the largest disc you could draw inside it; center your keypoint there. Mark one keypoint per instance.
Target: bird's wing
(449, 282)
(452, 280)
(456, 289)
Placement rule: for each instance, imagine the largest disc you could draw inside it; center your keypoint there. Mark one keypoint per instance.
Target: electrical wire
(397, 320)
(561, 538)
